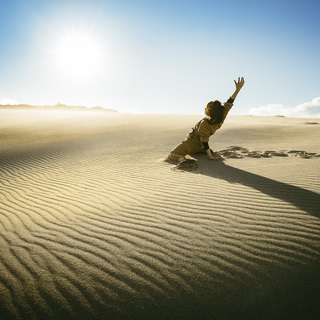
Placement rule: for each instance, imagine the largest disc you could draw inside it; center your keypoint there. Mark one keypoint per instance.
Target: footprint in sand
(237, 152)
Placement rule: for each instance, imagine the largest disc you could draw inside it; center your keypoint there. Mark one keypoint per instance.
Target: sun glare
(79, 56)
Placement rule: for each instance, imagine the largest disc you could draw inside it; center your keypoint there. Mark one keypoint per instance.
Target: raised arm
(239, 85)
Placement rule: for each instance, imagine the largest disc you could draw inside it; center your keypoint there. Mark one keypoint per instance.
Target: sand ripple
(90, 229)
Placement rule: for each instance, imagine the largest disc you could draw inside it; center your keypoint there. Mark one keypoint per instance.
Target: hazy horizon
(286, 112)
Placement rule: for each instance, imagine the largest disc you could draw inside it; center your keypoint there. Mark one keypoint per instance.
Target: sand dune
(94, 225)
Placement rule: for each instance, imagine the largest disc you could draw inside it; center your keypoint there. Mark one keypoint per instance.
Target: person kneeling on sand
(198, 137)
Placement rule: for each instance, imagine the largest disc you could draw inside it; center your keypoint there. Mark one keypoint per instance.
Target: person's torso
(203, 127)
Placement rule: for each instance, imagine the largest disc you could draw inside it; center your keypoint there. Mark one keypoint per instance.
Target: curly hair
(214, 112)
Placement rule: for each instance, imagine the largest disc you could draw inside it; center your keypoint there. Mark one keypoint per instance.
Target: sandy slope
(94, 226)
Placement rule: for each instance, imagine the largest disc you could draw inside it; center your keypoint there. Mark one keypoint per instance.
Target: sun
(78, 55)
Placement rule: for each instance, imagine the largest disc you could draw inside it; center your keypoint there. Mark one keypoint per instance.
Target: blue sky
(162, 56)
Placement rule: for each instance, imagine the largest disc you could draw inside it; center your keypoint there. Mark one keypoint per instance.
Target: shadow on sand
(303, 199)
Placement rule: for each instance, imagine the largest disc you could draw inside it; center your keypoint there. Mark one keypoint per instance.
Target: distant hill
(58, 106)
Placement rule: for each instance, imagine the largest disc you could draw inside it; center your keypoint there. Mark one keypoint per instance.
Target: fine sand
(96, 224)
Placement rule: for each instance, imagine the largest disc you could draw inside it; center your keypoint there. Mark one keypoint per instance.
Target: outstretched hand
(239, 84)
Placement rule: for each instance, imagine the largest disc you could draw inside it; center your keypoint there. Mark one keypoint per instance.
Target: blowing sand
(94, 224)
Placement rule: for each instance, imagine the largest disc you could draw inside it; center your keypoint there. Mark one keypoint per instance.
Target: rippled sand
(94, 225)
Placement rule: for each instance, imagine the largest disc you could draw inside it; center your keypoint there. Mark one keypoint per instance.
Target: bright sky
(168, 56)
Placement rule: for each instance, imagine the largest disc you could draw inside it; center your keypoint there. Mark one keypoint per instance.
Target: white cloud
(305, 110)
(5, 101)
